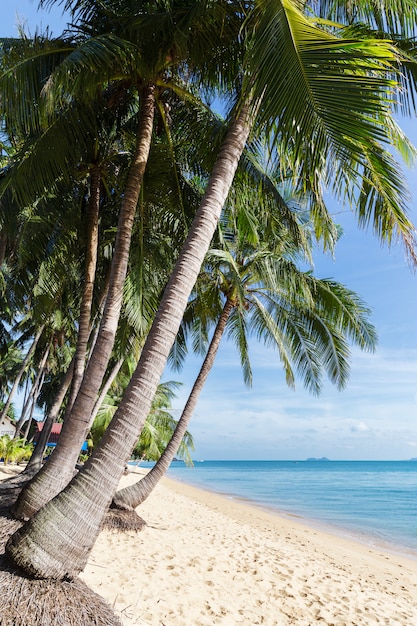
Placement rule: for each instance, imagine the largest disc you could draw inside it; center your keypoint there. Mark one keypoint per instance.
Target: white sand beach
(205, 559)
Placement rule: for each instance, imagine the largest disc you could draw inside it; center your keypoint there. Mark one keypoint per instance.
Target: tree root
(29, 602)
(123, 520)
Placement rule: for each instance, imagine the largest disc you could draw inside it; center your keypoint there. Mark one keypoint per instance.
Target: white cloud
(359, 427)
(374, 417)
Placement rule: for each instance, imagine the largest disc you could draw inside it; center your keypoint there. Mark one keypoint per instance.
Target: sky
(373, 418)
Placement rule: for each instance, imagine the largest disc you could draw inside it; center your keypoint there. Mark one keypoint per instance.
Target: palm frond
(330, 98)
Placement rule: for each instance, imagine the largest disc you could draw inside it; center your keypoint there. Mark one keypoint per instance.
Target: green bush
(14, 450)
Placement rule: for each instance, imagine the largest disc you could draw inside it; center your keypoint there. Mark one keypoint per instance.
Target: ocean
(371, 501)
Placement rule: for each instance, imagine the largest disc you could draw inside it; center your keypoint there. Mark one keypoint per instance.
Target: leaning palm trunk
(56, 474)
(33, 392)
(104, 390)
(35, 461)
(56, 542)
(21, 372)
(131, 497)
(84, 323)
(34, 399)
(99, 314)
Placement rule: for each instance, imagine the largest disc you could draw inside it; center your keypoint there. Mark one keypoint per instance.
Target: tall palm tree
(338, 103)
(263, 293)
(56, 473)
(127, 65)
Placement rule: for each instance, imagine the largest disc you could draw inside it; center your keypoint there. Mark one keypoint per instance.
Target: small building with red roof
(53, 437)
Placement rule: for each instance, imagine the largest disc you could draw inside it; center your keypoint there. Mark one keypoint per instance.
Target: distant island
(323, 458)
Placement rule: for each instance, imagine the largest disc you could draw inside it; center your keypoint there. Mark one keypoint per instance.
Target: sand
(207, 559)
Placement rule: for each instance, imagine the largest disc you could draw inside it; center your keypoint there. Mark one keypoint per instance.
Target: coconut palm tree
(337, 104)
(98, 362)
(307, 320)
(126, 66)
(158, 428)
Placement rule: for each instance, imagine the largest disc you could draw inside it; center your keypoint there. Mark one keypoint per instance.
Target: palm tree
(57, 474)
(158, 428)
(339, 103)
(145, 70)
(307, 320)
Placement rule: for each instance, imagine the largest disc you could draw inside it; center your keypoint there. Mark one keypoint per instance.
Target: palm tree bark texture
(131, 497)
(56, 542)
(56, 474)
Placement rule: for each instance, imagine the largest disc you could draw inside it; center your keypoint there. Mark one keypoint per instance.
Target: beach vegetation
(11, 412)
(159, 425)
(324, 111)
(251, 285)
(14, 450)
(11, 358)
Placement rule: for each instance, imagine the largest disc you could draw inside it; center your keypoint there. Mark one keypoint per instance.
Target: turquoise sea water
(374, 501)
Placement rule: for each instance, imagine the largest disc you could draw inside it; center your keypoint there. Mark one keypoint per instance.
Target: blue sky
(26, 13)
(373, 418)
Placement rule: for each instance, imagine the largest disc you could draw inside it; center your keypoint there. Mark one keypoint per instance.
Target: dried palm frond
(29, 602)
(26, 601)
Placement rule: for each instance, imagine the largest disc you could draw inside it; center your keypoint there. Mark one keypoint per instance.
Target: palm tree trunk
(33, 391)
(35, 461)
(84, 322)
(25, 409)
(131, 497)
(104, 390)
(34, 398)
(56, 474)
(56, 542)
(99, 314)
(21, 372)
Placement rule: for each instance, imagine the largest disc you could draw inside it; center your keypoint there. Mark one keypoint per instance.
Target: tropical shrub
(14, 450)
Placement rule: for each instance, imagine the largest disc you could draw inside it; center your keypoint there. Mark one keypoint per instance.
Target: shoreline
(350, 533)
(363, 538)
(205, 559)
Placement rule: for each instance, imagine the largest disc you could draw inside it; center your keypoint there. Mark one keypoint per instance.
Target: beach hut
(53, 437)
(7, 426)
